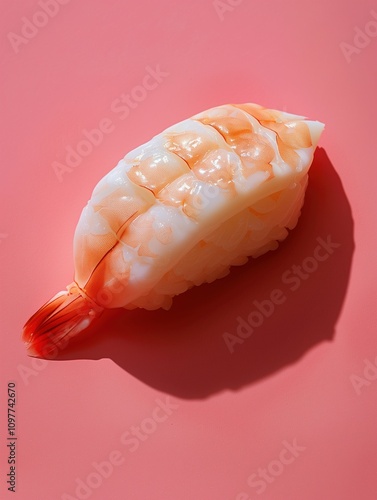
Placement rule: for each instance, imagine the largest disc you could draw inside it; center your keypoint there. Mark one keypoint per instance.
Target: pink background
(295, 377)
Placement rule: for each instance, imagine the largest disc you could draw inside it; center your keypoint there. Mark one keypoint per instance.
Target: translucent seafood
(202, 196)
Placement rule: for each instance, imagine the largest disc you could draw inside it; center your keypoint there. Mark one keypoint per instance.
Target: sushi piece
(202, 196)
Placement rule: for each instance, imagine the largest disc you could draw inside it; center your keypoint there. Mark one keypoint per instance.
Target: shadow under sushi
(183, 351)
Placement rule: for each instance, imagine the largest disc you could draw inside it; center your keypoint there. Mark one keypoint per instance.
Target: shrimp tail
(64, 316)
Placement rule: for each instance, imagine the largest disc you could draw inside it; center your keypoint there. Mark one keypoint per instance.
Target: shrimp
(204, 195)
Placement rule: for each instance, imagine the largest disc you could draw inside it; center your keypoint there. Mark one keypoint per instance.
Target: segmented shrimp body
(200, 197)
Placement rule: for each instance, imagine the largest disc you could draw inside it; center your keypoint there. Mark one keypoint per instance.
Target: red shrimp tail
(64, 316)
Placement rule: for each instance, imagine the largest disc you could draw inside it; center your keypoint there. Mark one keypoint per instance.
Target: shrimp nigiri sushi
(202, 196)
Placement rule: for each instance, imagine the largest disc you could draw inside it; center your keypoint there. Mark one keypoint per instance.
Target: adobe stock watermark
(370, 375)
(291, 278)
(121, 107)
(32, 25)
(201, 197)
(260, 479)
(222, 7)
(132, 439)
(3, 236)
(38, 365)
(114, 286)
(362, 37)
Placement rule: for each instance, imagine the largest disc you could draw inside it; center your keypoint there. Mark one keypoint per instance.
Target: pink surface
(291, 414)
